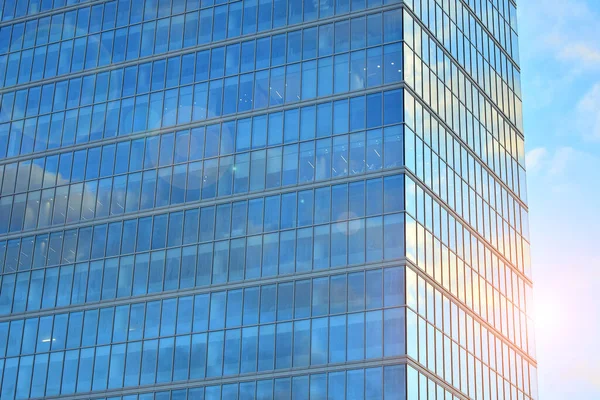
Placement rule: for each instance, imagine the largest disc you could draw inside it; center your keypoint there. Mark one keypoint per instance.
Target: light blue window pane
(234, 20)
(182, 358)
(266, 347)
(394, 328)
(116, 366)
(268, 303)
(220, 23)
(279, 14)
(190, 32)
(319, 341)
(105, 326)
(206, 20)
(15, 338)
(197, 368)
(302, 340)
(309, 79)
(294, 46)
(55, 369)
(309, 43)
(320, 297)
(373, 383)
(337, 339)
(165, 360)
(392, 26)
(149, 358)
(284, 346)
(358, 33)
(151, 328)
(10, 374)
(374, 333)
(176, 32)
(300, 387)
(318, 386)
(230, 391)
(250, 16)
(249, 349)
(336, 385)
(355, 388)
(394, 382)
(374, 110)
(230, 95)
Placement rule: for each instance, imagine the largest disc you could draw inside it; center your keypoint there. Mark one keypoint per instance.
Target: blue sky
(560, 69)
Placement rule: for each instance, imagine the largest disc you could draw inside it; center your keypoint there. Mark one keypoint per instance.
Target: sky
(560, 74)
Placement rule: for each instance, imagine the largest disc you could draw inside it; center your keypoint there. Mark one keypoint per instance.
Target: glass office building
(263, 199)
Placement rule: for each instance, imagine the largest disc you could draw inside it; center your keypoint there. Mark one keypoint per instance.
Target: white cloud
(588, 113)
(534, 159)
(565, 29)
(585, 53)
(561, 160)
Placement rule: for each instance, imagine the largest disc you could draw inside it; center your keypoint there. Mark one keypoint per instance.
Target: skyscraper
(263, 199)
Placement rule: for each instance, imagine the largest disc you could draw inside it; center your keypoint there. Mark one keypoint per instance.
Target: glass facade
(263, 199)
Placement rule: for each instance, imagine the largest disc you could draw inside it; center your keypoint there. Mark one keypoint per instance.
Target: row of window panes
(358, 291)
(248, 171)
(111, 47)
(496, 25)
(464, 89)
(487, 212)
(469, 44)
(205, 100)
(492, 304)
(492, 17)
(332, 154)
(273, 129)
(475, 253)
(467, 127)
(496, 301)
(21, 8)
(437, 144)
(474, 211)
(302, 45)
(297, 344)
(28, 34)
(503, 96)
(504, 92)
(252, 172)
(351, 200)
(428, 302)
(325, 246)
(493, 14)
(460, 368)
(376, 66)
(461, 43)
(503, 154)
(362, 109)
(88, 20)
(377, 383)
(355, 384)
(437, 349)
(419, 386)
